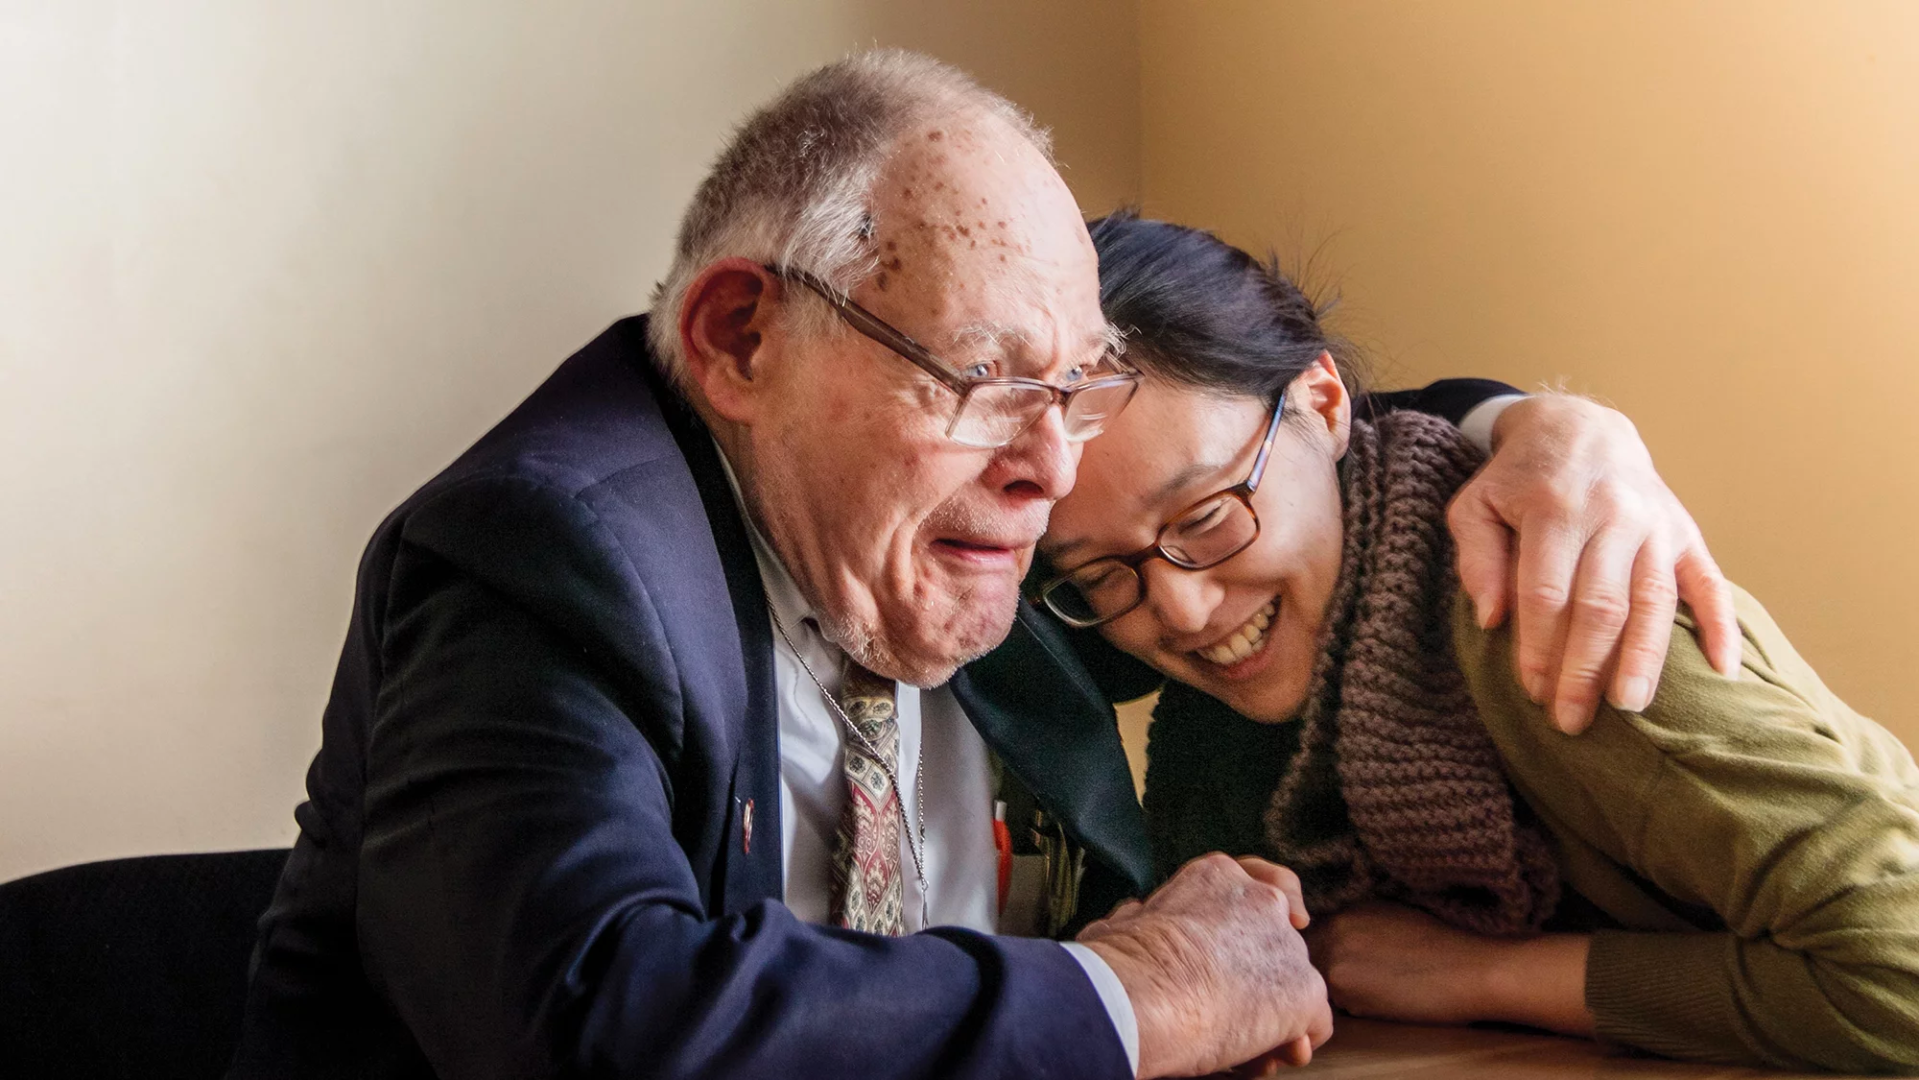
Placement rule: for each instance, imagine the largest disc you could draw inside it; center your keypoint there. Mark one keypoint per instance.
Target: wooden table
(1372, 1048)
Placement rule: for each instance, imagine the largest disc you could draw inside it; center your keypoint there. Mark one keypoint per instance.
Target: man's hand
(1216, 969)
(1605, 552)
(1395, 963)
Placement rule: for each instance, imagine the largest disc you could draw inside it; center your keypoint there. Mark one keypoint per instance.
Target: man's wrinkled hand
(1604, 554)
(1216, 969)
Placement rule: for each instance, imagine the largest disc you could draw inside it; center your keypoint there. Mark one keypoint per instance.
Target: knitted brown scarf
(1388, 727)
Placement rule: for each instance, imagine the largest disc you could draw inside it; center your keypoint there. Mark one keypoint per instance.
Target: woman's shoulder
(1776, 705)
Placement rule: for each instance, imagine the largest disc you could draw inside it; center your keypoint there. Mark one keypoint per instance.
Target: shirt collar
(782, 592)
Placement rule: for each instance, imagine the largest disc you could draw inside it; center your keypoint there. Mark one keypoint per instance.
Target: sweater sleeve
(1762, 807)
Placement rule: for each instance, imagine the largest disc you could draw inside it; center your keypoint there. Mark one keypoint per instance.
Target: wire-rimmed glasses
(991, 411)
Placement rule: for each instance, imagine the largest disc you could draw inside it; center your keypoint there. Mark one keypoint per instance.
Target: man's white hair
(795, 185)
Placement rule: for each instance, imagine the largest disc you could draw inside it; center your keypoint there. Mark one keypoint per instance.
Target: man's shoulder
(601, 412)
(602, 415)
(589, 477)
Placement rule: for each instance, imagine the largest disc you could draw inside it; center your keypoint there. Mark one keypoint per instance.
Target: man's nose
(1182, 600)
(1041, 462)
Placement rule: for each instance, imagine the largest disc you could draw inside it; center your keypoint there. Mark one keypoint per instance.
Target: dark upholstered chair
(131, 967)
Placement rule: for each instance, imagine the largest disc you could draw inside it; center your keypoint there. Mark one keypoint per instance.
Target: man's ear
(723, 320)
(1322, 393)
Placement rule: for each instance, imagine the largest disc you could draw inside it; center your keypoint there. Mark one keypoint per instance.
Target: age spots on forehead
(935, 135)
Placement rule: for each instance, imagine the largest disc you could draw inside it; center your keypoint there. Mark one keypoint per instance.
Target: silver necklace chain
(915, 841)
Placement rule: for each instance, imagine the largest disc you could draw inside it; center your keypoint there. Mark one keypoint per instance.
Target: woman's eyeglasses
(1204, 534)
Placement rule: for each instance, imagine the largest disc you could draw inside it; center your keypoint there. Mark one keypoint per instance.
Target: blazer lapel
(1037, 707)
(752, 854)
(749, 863)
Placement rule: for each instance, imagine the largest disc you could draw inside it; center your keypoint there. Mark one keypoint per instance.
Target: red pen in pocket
(1003, 843)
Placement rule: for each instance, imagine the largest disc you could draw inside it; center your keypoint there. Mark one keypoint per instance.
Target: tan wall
(266, 267)
(1705, 213)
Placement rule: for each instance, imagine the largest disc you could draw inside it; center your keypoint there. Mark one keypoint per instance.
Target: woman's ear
(1322, 394)
(723, 320)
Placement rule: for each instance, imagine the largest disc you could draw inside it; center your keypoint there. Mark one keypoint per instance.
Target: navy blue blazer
(525, 848)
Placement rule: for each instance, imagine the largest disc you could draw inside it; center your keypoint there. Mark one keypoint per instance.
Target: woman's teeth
(1245, 641)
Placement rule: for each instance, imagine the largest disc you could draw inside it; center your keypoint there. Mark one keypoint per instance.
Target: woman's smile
(1243, 629)
(1245, 643)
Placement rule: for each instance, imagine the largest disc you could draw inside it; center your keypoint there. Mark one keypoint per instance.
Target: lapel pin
(746, 829)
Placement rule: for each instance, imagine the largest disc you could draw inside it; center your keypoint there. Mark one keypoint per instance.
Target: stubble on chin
(902, 651)
(922, 639)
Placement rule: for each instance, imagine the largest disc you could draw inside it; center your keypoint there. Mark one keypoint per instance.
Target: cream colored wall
(266, 267)
(1706, 213)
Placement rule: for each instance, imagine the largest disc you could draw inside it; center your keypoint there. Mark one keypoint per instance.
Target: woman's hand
(1570, 524)
(1394, 963)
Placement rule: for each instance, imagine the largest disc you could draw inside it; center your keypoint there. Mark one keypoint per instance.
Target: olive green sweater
(1755, 841)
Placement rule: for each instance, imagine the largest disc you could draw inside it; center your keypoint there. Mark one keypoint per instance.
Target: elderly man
(647, 754)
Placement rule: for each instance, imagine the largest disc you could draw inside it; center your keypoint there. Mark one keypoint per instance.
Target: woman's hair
(1199, 311)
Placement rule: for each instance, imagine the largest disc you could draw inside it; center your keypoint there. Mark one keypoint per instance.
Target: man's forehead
(980, 247)
(985, 306)
(970, 182)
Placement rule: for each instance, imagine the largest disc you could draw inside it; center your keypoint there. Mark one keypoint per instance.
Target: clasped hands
(1216, 969)
(1221, 976)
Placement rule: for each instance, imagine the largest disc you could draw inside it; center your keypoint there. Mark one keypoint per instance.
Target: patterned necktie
(866, 860)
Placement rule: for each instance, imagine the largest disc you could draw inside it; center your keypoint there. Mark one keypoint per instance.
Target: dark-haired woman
(1731, 873)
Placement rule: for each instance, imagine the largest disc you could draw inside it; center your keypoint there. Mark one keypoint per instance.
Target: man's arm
(1605, 553)
(526, 906)
(1452, 399)
(1570, 527)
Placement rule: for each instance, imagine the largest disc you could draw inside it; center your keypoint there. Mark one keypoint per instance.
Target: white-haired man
(654, 748)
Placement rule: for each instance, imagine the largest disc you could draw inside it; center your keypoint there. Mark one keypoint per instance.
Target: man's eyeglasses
(1204, 534)
(992, 411)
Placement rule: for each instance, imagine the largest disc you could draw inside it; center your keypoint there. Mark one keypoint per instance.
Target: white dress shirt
(1477, 424)
(956, 808)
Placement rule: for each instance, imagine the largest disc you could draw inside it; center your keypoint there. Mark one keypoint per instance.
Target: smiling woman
(1205, 534)
(1730, 873)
